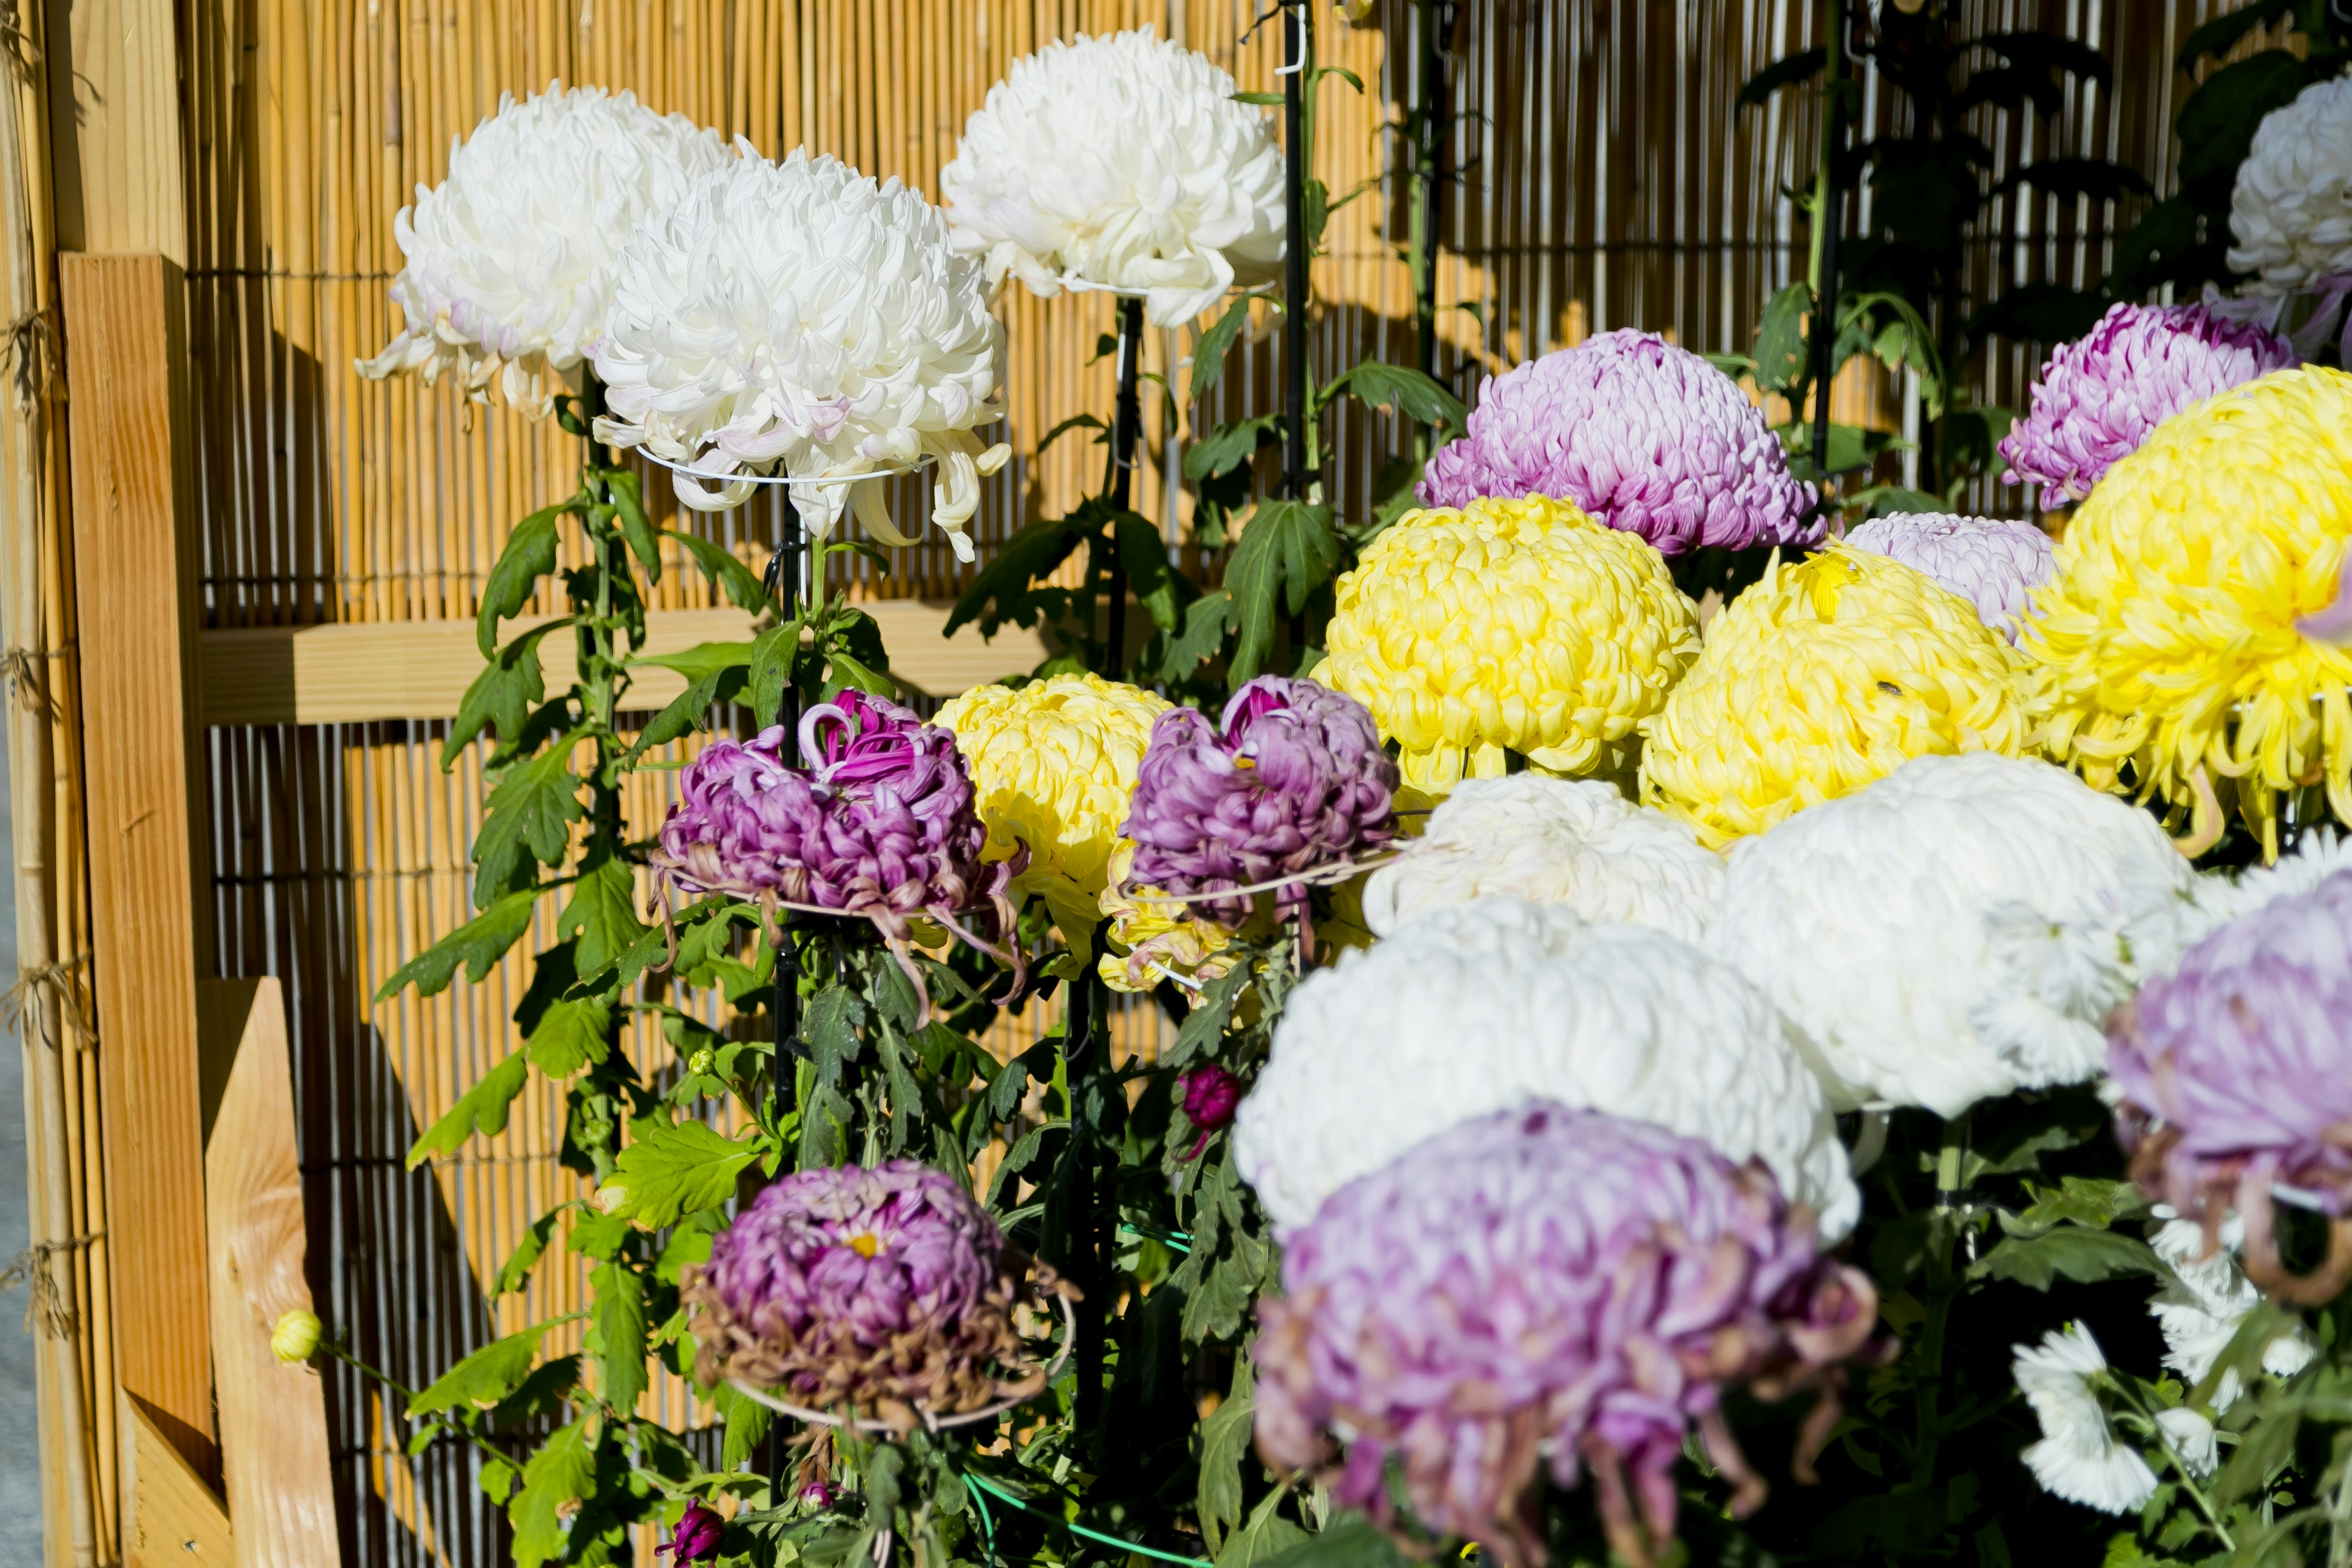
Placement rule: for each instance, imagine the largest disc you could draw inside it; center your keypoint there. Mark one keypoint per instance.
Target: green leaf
(1780, 339)
(501, 697)
(1206, 621)
(482, 1380)
(2077, 1200)
(1229, 447)
(629, 506)
(1075, 422)
(2217, 124)
(1287, 551)
(2220, 35)
(1159, 587)
(1000, 594)
(1267, 1536)
(1407, 391)
(774, 653)
(572, 1033)
(1343, 73)
(842, 671)
(2101, 179)
(702, 660)
(1225, 1440)
(2085, 1257)
(1209, 353)
(2039, 314)
(529, 555)
(482, 1109)
(561, 1474)
(1262, 99)
(527, 819)
(747, 1425)
(738, 582)
(674, 1169)
(715, 672)
(1786, 71)
(603, 914)
(2266, 1447)
(478, 945)
(620, 1331)
(601, 1237)
(2040, 51)
(515, 1273)
(1350, 1541)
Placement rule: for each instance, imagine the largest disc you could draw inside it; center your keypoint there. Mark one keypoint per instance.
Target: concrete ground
(20, 1444)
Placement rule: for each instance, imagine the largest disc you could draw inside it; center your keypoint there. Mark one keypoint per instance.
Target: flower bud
(295, 1335)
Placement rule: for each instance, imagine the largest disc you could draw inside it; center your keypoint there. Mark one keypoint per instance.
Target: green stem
(1941, 1288)
(2172, 1457)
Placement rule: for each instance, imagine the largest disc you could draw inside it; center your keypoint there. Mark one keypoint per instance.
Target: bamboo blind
(1606, 180)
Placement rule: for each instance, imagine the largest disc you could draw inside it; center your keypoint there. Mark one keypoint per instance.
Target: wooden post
(135, 550)
(273, 1416)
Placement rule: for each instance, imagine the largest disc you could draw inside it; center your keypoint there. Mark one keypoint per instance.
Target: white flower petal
(2078, 1458)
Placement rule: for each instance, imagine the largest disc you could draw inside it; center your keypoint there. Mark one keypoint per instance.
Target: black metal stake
(783, 582)
(1127, 426)
(1082, 1051)
(1832, 217)
(1295, 476)
(1436, 18)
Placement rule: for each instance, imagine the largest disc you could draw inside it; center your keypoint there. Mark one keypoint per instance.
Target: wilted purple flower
(1547, 1277)
(1209, 1094)
(2101, 395)
(889, 1289)
(1994, 563)
(2236, 1073)
(877, 822)
(817, 1495)
(1641, 435)
(695, 1537)
(1298, 780)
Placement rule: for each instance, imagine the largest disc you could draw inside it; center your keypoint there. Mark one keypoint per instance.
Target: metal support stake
(1127, 425)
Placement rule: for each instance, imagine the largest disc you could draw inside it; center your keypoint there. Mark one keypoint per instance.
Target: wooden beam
(273, 1416)
(358, 673)
(174, 1520)
(135, 551)
(114, 118)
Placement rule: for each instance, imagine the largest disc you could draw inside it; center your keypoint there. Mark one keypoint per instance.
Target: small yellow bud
(294, 1336)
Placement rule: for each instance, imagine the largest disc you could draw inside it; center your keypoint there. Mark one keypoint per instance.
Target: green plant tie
(976, 1485)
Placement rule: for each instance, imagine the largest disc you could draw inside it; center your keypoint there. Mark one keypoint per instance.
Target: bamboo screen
(1606, 180)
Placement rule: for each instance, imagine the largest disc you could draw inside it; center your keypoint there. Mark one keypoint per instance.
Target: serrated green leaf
(1228, 447)
(529, 555)
(1287, 551)
(742, 586)
(597, 1234)
(501, 697)
(573, 1033)
(478, 945)
(1157, 586)
(673, 1169)
(2085, 1257)
(1350, 1541)
(2077, 1200)
(1267, 1536)
(1407, 391)
(481, 1108)
(747, 1425)
(999, 595)
(2217, 122)
(620, 1328)
(603, 915)
(515, 1273)
(842, 671)
(561, 1474)
(714, 671)
(526, 823)
(484, 1378)
(1780, 339)
(1209, 353)
(1225, 1440)
(1206, 621)
(629, 507)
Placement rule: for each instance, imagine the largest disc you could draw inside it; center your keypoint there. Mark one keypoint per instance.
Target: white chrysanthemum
(2291, 211)
(1576, 842)
(2223, 896)
(2078, 1458)
(2192, 1436)
(510, 258)
(796, 317)
(1473, 1010)
(1956, 930)
(1120, 163)
(2200, 1309)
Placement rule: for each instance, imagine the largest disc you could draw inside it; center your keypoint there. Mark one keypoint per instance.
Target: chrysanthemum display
(1124, 163)
(2169, 664)
(1291, 778)
(1509, 626)
(2078, 1457)
(1958, 930)
(2198, 1309)
(878, 822)
(1471, 1010)
(1818, 679)
(510, 261)
(2236, 1076)
(1054, 762)
(2290, 210)
(1551, 1290)
(1155, 938)
(2101, 395)
(1574, 842)
(888, 1290)
(1994, 563)
(1641, 435)
(797, 318)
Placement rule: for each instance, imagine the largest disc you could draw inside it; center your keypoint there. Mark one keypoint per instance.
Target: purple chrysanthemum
(1297, 780)
(888, 1288)
(877, 822)
(1641, 435)
(1994, 563)
(2101, 395)
(1210, 1095)
(696, 1536)
(2236, 1074)
(1546, 1278)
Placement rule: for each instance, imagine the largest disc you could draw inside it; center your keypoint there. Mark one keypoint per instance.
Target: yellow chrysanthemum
(2168, 659)
(1053, 764)
(1163, 940)
(1822, 678)
(1509, 626)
